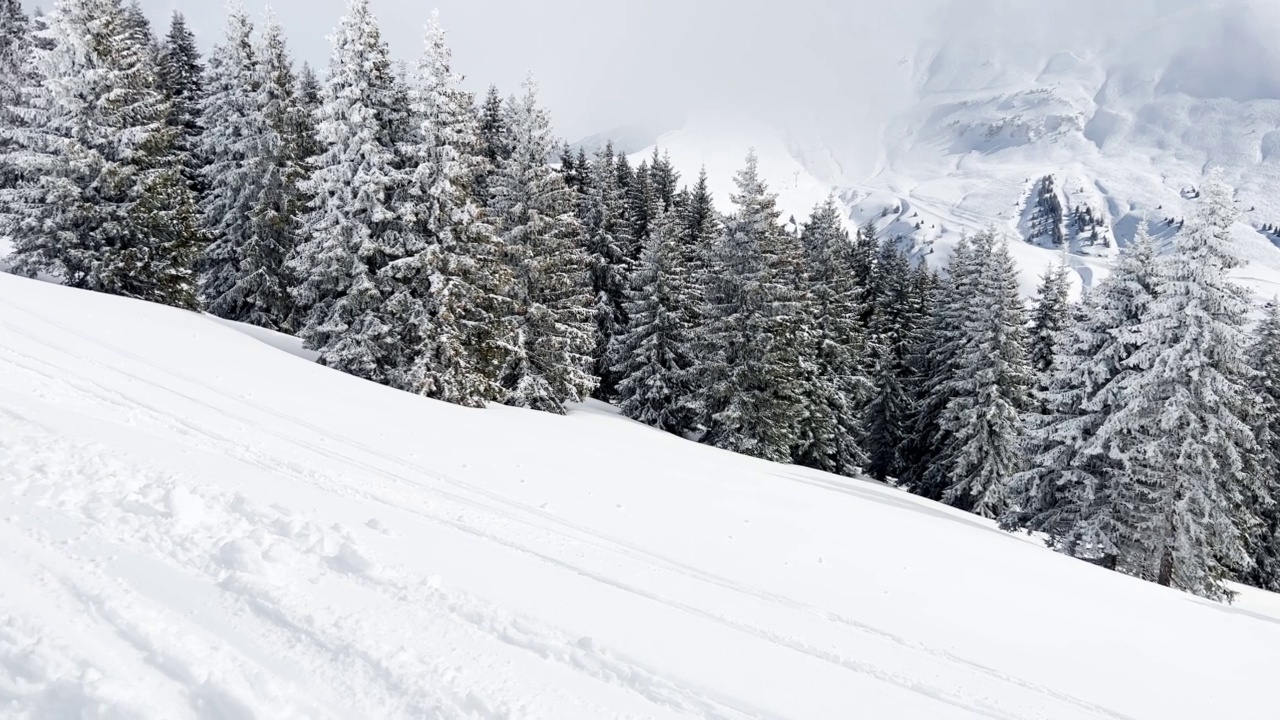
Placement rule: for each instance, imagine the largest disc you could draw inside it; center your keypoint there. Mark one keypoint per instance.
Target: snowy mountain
(1125, 120)
(198, 523)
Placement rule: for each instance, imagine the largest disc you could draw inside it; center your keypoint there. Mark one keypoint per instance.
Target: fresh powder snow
(197, 522)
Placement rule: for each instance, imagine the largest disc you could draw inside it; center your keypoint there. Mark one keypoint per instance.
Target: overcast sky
(606, 63)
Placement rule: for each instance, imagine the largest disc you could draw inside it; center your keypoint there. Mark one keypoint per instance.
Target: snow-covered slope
(1127, 118)
(198, 523)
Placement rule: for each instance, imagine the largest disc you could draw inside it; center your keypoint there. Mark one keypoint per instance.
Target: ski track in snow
(231, 606)
(231, 564)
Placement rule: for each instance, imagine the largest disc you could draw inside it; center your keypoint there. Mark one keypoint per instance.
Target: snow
(196, 523)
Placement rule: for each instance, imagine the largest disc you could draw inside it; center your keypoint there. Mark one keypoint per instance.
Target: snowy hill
(199, 523)
(1126, 118)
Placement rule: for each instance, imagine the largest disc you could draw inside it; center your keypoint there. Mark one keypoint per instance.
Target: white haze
(831, 69)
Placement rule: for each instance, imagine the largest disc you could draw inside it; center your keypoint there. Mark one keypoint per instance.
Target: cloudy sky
(608, 63)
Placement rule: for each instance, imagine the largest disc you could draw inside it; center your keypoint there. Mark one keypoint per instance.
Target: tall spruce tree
(181, 78)
(451, 300)
(231, 145)
(16, 79)
(549, 358)
(836, 387)
(495, 141)
(97, 205)
(990, 388)
(751, 340)
(1264, 358)
(656, 352)
(608, 243)
(1049, 316)
(1079, 489)
(1181, 419)
(353, 231)
(894, 331)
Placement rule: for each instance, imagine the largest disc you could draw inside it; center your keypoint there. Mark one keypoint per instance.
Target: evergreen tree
(655, 354)
(896, 323)
(1181, 419)
(608, 244)
(549, 358)
(495, 140)
(643, 206)
(990, 387)
(232, 147)
(1078, 490)
(262, 283)
(835, 385)
(451, 287)
(664, 178)
(750, 341)
(1049, 316)
(181, 79)
(1264, 358)
(305, 135)
(353, 230)
(97, 205)
(866, 246)
(16, 78)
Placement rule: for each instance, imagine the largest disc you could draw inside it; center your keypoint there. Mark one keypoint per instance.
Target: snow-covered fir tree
(664, 178)
(262, 282)
(97, 205)
(1181, 419)
(836, 387)
(181, 78)
(353, 231)
(16, 78)
(1078, 490)
(552, 334)
(751, 339)
(1264, 358)
(451, 287)
(990, 387)
(231, 146)
(495, 140)
(1049, 315)
(656, 352)
(608, 244)
(893, 334)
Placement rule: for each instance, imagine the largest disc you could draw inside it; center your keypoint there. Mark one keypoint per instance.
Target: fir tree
(181, 78)
(664, 178)
(608, 243)
(549, 357)
(1181, 419)
(1264, 358)
(98, 160)
(16, 78)
(894, 331)
(231, 147)
(990, 387)
(1049, 316)
(495, 140)
(750, 340)
(451, 287)
(836, 387)
(656, 351)
(353, 230)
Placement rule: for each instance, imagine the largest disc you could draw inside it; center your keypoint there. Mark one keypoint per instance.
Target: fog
(843, 66)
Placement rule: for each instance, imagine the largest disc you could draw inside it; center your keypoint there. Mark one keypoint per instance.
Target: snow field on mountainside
(197, 523)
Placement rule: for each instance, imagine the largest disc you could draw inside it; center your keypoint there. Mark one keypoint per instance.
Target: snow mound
(198, 524)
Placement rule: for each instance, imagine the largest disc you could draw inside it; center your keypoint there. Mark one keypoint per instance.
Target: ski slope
(196, 522)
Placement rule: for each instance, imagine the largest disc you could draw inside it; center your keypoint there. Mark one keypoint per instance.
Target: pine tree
(1181, 419)
(181, 79)
(262, 282)
(495, 141)
(990, 387)
(98, 161)
(231, 147)
(1049, 316)
(894, 331)
(305, 135)
(835, 386)
(1264, 358)
(608, 243)
(16, 78)
(549, 357)
(451, 288)
(353, 231)
(643, 206)
(1078, 490)
(750, 341)
(655, 354)
(664, 178)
